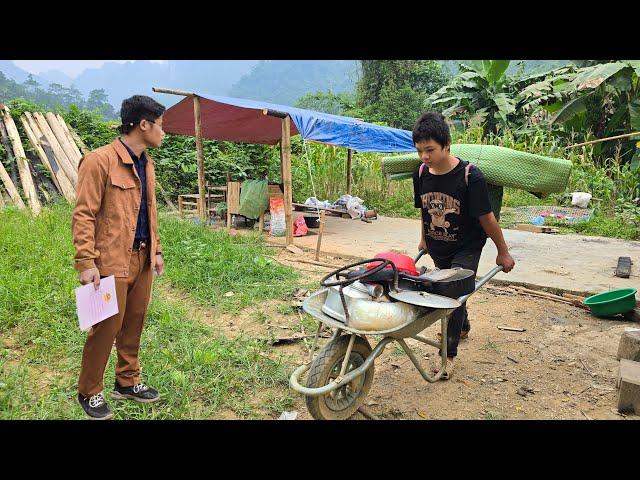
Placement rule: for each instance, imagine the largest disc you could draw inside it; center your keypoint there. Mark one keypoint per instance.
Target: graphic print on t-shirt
(439, 205)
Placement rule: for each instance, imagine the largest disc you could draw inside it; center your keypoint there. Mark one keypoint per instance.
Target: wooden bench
(192, 201)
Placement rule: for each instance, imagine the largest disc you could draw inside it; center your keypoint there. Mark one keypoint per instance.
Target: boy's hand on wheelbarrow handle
(506, 260)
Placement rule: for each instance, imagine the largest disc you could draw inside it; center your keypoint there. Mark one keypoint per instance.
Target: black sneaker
(139, 393)
(95, 406)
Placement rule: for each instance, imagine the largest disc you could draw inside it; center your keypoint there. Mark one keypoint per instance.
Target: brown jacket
(106, 212)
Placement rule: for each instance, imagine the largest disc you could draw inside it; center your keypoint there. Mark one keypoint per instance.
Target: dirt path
(564, 363)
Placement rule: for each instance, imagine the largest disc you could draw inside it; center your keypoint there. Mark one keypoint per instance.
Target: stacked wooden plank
(58, 148)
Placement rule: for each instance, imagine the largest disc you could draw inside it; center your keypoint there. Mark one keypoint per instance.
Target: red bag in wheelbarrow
(402, 262)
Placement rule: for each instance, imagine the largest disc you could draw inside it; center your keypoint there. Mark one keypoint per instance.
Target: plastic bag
(300, 228)
(254, 198)
(355, 207)
(370, 315)
(580, 199)
(278, 224)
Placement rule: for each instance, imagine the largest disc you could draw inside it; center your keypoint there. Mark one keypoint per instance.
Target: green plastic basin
(613, 302)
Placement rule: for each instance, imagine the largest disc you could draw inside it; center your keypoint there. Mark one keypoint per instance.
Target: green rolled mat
(501, 166)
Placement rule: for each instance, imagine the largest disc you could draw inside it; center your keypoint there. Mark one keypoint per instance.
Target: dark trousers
(458, 320)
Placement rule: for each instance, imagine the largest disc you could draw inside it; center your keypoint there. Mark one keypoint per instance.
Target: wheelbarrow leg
(315, 341)
(443, 354)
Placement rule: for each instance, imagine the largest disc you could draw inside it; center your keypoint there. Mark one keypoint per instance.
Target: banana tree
(479, 93)
(603, 99)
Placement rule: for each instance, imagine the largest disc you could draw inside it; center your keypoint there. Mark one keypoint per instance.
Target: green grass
(601, 226)
(199, 372)
(513, 197)
(209, 264)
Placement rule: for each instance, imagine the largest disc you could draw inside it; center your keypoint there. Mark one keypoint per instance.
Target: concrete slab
(573, 263)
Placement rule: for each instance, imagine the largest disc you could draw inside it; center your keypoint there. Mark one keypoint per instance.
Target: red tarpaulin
(222, 121)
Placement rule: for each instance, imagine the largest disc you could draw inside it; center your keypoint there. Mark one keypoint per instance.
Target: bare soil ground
(562, 367)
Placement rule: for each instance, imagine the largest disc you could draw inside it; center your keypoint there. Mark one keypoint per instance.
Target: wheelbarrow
(341, 373)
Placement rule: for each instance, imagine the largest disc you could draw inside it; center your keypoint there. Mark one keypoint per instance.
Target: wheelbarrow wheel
(343, 402)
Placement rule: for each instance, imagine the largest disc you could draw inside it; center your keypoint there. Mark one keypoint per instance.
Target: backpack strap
(466, 172)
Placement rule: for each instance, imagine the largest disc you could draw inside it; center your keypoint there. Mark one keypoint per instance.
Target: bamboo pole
(322, 213)
(285, 146)
(4, 138)
(65, 129)
(48, 151)
(83, 148)
(61, 157)
(60, 179)
(28, 186)
(11, 188)
(349, 156)
(173, 91)
(36, 145)
(52, 120)
(200, 157)
(603, 140)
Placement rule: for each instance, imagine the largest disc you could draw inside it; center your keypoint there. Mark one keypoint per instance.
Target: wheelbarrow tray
(313, 306)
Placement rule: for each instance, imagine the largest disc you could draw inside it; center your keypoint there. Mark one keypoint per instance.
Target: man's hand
(91, 275)
(159, 265)
(506, 260)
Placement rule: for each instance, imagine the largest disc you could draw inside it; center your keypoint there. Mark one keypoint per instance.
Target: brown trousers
(125, 328)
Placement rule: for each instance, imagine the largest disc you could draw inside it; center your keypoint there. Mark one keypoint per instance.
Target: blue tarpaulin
(242, 120)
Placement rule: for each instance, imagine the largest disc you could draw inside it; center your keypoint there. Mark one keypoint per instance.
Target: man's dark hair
(432, 126)
(137, 108)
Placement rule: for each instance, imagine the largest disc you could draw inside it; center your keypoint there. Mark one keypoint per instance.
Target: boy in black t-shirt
(456, 214)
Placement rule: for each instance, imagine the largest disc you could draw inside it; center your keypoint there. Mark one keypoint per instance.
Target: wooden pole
(65, 163)
(57, 130)
(36, 146)
(320, 234)
(285, 145)
(63, 180)
(10, 187)
(67, 132)
(173, 91)
(200, 156)
(59, 178)
(4, 138)
(28, 186)
(83, 148)
(52, 120)
(349, 155)
(604, 140)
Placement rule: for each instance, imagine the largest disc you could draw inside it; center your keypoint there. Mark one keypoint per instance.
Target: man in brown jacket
(115, 232)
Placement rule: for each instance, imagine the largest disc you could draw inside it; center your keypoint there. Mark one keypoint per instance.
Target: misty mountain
(285, 81)
(19, 75)
(56, 76)
(121, 80)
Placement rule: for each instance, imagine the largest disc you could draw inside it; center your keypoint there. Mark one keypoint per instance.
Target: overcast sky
(73, 68)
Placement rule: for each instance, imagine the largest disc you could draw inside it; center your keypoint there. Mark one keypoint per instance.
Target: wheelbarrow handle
(482, 281)
(420, 254)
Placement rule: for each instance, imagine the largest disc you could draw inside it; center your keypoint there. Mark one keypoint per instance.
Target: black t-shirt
(450, 209)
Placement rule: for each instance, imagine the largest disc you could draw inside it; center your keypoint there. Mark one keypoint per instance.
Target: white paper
(94, 306)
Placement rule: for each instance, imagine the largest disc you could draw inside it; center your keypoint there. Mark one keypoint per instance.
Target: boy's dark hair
(432, 126)
(137, 108)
